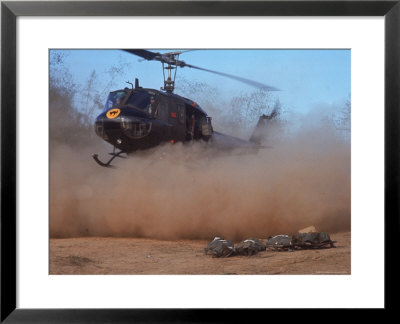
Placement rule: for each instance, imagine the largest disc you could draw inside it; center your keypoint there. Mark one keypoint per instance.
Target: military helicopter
(138, 118)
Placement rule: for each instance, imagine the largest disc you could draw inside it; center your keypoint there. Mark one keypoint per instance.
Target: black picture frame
(10, 10)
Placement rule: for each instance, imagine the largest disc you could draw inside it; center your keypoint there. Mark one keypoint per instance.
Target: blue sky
(307, 78)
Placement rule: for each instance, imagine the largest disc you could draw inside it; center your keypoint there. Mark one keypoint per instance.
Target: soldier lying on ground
(312, 240)
(280, 242)
(249, 247)
(220, 248)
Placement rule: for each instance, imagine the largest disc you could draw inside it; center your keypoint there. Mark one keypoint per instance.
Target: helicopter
(138, 118)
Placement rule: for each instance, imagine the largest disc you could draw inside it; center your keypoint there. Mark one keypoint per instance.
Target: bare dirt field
(147, 256)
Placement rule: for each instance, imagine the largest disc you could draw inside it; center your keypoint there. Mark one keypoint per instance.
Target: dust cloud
(191, 191)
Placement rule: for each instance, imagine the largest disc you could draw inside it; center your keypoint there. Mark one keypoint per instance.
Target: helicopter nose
(106, 128)
(135, 127)
(122, 127)
(99, 129)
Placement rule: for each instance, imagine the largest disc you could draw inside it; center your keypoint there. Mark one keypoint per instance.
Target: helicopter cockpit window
(114, 99)
(140, 99)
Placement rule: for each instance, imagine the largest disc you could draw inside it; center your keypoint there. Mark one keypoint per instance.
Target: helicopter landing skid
(108, 163)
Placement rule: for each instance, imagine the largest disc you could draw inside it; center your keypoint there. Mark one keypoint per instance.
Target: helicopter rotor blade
(237, 78)
(179, 52)
(150, 56)
(143, 53)
(169, 58)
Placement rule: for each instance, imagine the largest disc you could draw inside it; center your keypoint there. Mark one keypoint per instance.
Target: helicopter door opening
(198, 125)
(176, 118)
(181, 114)
(163, 111)
(192, 117)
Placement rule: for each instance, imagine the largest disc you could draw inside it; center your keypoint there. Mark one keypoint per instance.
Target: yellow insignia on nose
(112, 113)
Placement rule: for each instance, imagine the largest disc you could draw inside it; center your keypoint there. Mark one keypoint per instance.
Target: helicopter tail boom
(259, 130)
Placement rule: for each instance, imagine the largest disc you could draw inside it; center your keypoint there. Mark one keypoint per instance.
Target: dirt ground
(147, 256)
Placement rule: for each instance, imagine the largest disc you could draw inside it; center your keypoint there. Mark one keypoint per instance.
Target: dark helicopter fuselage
(139, 119)
(130, 121)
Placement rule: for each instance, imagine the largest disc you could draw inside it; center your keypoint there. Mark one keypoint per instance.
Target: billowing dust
(192, 191)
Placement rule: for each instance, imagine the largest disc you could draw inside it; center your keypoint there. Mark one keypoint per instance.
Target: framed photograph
(162, 158)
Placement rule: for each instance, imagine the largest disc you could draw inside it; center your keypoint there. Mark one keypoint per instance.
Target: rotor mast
(169, 82)
(172, 62)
